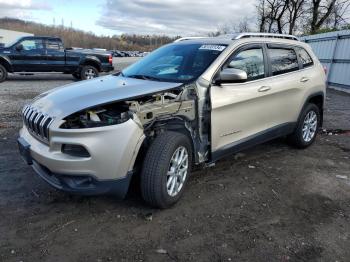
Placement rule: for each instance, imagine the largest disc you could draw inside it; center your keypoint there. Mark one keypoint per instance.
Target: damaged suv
(188, 103)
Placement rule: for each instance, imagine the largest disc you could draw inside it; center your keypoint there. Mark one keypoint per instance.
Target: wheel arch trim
(6, 62)
(309, 99)
(91, 60)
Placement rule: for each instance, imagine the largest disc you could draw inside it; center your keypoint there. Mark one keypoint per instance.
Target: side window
(283, 60)
(54, 45)
(304, 57)
(32, 44)
(251, 61)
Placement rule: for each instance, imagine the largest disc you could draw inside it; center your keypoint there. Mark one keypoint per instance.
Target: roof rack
(189, 38)
(236, 36)
(266, 35)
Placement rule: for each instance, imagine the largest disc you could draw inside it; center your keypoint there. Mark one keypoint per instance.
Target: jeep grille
(37, 123)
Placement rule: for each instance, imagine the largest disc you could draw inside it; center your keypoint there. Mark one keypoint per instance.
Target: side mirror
(232, 75)
(19, 47)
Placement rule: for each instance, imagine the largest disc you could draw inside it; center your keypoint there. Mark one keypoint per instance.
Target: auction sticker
(213, 47)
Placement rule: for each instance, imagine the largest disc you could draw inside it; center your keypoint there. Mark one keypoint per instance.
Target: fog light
(75, 150)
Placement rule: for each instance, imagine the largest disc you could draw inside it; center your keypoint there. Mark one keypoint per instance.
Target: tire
(158, 164)
(88, 72)
(76, 76)
(3, 73)
(300, 138)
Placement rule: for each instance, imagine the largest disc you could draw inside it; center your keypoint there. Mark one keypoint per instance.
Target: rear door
(55, 55)
(31, 58)
(286, 84)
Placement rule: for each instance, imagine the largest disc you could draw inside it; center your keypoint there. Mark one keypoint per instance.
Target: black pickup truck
(47, 54)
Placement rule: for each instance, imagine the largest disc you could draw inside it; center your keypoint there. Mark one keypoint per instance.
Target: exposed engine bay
(152, 113)
(144, 110)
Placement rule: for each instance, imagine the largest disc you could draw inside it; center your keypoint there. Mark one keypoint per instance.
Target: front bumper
(84, 184)
(112, 149)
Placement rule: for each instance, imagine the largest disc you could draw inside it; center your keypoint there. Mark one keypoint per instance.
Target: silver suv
(188, 103)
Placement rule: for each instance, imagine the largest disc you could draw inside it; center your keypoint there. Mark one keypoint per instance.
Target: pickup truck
(47, 54)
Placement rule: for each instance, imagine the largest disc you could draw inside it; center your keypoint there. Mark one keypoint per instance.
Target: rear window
(283, 60)
(304, 57)
(54, 44)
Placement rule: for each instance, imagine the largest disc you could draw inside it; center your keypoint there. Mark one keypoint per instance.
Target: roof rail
(189, 38)
(266, 35)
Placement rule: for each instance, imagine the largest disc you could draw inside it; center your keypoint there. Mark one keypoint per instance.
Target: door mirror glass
(19, 47)
(232, 75)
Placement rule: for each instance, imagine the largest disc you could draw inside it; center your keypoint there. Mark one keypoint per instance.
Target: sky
(114, 17)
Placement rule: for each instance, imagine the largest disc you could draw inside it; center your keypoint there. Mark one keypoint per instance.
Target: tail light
(110, 59)
(325, 70)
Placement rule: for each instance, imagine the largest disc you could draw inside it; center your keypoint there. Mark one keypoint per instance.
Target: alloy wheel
(90, 73)
(177, 171)
(309, 126)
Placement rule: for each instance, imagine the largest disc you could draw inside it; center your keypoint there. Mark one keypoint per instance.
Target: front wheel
(88, 72)
(166, 169)
(3, 73)
(305, 133)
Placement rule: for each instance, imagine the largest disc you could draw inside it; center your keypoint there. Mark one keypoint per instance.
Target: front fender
(6, 61)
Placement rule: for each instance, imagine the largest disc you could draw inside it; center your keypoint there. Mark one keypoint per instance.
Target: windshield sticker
(213, 47)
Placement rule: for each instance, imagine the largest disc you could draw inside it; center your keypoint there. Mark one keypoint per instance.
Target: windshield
(175, 62)
(11, 43)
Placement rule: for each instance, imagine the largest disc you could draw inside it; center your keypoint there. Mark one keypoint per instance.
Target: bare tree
(320, 11)
(272, 15)
(244, 26)
(296, 9)
(261, 8)
(232, 27)
(301, 16)
(338, 17)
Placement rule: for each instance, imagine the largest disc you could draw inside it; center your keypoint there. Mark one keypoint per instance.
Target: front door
(30, 58)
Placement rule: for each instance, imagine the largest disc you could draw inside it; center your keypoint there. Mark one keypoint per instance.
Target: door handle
(304, 79)
(264, 89)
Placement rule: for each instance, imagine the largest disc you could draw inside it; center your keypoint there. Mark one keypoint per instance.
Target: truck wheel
(305, 133)
(166, 169)
(88, 72)
(76, 76)
(3, 73)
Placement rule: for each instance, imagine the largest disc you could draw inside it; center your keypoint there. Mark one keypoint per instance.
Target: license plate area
(24, 150)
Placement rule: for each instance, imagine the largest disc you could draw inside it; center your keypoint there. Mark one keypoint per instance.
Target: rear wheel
(88, 72)
(3, 73)
(166, 169)
(305, 133)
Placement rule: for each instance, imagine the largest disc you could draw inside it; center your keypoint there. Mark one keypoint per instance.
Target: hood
(3, 48)
(66, 100)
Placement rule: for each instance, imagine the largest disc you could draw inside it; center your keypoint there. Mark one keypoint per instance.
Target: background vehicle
(188, 103)
(47, 54)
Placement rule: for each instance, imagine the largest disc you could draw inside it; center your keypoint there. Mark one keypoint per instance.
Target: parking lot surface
(269, 203)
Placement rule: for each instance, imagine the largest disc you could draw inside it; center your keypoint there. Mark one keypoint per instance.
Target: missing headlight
(100, 116)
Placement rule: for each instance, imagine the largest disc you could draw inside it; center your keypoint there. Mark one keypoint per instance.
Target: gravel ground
(269, 203)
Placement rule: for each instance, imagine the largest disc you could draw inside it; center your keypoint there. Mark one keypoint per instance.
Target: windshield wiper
(145, 77)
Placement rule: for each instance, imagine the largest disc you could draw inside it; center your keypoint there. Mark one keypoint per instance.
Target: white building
(8, 36)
